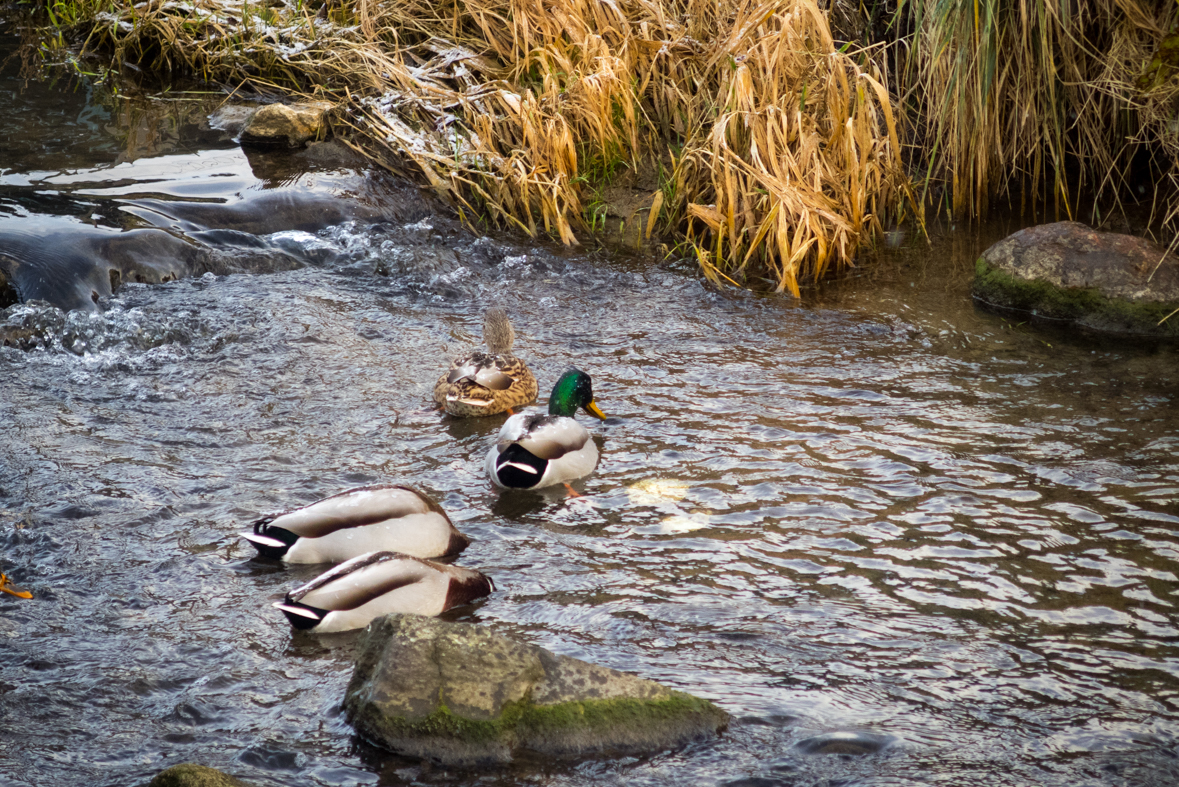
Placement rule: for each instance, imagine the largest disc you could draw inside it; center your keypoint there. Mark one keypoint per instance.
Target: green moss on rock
(1085, 306)
(446, 724)
(462, 695)
(613, 713)
(565, 727)
(190, 774)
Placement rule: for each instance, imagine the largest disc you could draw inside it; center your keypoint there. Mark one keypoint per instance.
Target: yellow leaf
(656, 205)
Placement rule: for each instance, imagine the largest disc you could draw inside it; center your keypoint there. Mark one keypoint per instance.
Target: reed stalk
(1056, 105)
(778, 149)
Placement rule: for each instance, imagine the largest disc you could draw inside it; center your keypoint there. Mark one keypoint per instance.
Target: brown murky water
(902, 541)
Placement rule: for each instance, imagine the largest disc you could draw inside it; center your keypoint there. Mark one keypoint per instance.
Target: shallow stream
(900, 540)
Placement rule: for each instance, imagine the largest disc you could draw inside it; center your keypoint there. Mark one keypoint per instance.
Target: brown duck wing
(490, 371)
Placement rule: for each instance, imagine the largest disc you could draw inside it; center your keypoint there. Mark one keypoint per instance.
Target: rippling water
(900, 540)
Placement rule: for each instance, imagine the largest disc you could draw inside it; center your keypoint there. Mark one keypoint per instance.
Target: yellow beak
(8, 587)
(592, 409)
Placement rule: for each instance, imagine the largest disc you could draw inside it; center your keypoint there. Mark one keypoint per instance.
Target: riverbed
(901, 540)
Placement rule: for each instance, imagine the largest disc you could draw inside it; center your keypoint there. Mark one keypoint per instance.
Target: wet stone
(850, 743)
(31, 325)
(21, 338)
(286, 125)
(192, 775)
(1069, 273)
(457, 694)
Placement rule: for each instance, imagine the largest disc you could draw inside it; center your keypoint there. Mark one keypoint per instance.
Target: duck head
(572, 391)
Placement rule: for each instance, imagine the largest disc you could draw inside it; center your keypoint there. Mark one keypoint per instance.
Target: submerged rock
(1068, 272)
(192, 775)
(852, 743)
(73, 265)
(460, 695)
(290, 126)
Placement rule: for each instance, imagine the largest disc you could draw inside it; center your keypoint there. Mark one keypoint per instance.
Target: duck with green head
(535, 451)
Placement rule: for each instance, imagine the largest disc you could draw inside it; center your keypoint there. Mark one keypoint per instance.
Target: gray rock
(290, 126)
(231, 118)
(1068, 272)
(458, 694)
(191, 775)
(72, 265)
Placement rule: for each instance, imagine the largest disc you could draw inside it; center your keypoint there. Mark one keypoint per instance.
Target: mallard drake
(487, 383)
(387, 517)
(380, 583)
(534, 451)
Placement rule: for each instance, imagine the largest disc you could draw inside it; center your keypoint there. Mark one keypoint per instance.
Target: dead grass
(1049, 103)
(779, 152)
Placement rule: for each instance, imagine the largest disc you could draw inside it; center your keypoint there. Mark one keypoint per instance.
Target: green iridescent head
(573, 390)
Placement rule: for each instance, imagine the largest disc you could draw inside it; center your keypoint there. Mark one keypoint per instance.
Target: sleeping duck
(366, 519)
(487, 383)
(380, 583)
(535, 451)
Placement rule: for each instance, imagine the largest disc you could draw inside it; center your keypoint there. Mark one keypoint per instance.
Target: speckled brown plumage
(487, 383)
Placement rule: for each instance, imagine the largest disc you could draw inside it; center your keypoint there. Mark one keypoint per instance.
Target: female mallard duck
(535, 451)
(365, 519)
(380, 583)
(487, 383)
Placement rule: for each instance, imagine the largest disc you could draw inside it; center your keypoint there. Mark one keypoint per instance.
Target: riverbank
(769, 142)
(744, 135)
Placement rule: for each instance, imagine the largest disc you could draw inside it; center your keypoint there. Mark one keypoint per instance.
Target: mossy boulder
(457, 694)
(1067, 272)
(192, 775)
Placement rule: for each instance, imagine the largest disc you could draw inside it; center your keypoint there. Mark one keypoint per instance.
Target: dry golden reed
(1059, 101)
(777, 151)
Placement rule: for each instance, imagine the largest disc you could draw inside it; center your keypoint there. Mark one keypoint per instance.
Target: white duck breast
(366, 519)
(535, 451)
(380, 583)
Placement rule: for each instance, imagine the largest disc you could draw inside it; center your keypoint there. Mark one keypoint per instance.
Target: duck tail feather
(260, 524)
